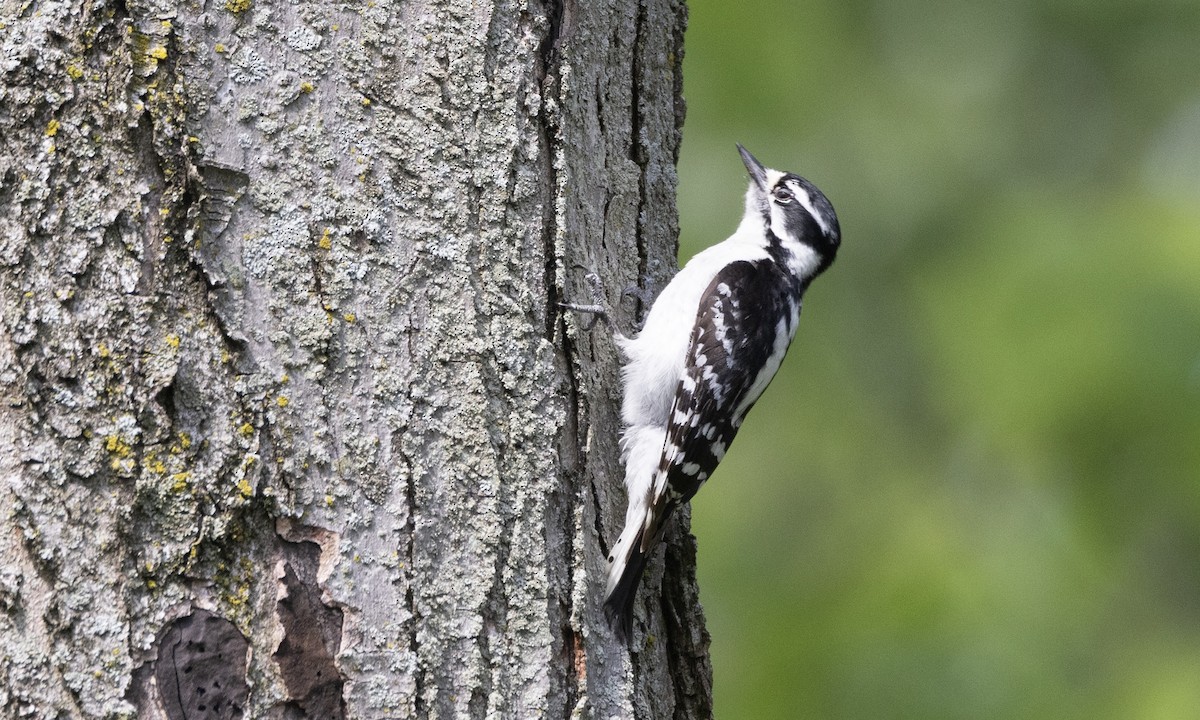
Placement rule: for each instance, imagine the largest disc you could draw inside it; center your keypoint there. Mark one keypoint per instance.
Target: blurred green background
(974, 489)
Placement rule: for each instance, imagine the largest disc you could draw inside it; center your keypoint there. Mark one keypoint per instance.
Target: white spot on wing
(784, 330)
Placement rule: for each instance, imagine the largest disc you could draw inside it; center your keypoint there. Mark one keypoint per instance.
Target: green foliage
(974, 489)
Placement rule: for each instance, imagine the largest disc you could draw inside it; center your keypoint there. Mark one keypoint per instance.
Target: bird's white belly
(656, 355)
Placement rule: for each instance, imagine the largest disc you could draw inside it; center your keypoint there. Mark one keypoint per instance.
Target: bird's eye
(782, 195)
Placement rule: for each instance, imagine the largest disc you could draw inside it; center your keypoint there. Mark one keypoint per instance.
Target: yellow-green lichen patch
(115, 445)
(120, 452)
(237, 7)
(179, 481)
(53, 127)
(153, 463)
(235, 583)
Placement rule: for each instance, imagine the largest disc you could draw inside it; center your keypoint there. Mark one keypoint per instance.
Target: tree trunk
(290, 422)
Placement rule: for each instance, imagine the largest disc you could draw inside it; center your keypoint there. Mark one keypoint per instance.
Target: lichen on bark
(280, 276)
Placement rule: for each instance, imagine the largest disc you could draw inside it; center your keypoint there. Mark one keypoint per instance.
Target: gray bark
(290, 422)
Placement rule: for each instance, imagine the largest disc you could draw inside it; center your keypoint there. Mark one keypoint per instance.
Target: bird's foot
(598, 309)
(644, 294)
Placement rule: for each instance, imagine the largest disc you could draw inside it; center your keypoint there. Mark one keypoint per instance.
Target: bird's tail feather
(642, 447)
(629, 562)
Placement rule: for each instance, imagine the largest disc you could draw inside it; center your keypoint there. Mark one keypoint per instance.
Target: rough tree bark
(290, 422)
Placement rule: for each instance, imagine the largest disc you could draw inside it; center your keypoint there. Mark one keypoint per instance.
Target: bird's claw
(644, 295)
(596, 312)
(598, 309)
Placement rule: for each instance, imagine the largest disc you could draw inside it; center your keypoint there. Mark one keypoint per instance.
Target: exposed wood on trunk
(281, 347)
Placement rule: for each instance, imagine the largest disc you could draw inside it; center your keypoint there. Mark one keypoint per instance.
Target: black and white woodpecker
(710, 345)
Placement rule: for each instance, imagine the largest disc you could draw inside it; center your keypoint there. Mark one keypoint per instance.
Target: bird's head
(793, 209)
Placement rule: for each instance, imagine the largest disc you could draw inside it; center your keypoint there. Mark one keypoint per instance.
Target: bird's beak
(758, 173)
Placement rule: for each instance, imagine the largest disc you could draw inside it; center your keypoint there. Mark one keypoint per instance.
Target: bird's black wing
(744, 324)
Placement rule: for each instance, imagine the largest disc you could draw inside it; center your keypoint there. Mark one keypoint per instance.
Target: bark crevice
(276, 263)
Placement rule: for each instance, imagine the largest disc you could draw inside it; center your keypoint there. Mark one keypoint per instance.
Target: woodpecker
(711, 343)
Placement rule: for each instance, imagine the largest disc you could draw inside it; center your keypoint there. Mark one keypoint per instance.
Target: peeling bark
(281, 362)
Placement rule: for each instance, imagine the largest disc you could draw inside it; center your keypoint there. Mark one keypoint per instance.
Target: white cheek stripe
(805, 200)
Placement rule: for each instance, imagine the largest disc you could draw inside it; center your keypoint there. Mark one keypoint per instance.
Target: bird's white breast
(656, 355)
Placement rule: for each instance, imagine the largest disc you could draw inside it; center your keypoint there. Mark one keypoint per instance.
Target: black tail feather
(618, 607)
